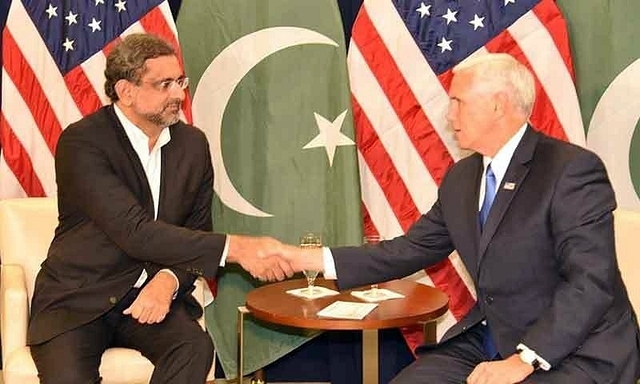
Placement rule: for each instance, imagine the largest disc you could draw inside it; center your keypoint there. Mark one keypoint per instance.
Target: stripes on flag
(45, 87)
(399, 81)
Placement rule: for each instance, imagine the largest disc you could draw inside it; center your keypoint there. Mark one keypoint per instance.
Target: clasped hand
(260, 256)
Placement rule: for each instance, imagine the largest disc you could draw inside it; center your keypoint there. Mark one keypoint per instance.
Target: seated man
(552, 307)
(135, 189)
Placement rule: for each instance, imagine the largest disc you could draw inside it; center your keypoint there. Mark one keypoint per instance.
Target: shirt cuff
(544, 364)
(167, 270)
(329, 264)
(225, 252)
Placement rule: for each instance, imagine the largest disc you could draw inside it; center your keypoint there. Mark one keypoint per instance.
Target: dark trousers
(453, 361)
(178, 347)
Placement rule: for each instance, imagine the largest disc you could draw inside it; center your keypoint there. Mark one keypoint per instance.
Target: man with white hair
(531, 218)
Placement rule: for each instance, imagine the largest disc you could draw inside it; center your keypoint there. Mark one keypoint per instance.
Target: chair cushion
(26, 231)
(627, 230)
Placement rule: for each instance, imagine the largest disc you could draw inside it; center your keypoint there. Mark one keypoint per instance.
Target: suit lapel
(470, 206)
(142, 189)
(513, 178)
(171, 155)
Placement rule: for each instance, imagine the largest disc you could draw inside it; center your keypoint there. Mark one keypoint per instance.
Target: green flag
(605, 40)
(271, 92)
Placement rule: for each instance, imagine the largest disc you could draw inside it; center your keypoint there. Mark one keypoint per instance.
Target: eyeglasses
(167, 84)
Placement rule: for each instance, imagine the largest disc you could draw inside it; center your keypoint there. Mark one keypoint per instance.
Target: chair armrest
(14, 309)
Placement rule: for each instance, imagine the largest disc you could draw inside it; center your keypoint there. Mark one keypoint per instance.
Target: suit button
(488, 299)
(113, 299)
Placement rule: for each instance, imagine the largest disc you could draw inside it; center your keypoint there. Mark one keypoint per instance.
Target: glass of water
(310, 240)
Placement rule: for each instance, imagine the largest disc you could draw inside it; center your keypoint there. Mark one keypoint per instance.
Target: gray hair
(127, 60)
(500, 72)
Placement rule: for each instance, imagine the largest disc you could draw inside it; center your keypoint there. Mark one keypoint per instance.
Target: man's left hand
(154, 300)
(509, 371)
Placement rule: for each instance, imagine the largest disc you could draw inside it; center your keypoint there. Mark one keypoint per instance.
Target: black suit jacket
(107, 233)
(544, 266)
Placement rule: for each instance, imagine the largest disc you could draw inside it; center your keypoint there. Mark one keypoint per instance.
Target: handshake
(268, 259)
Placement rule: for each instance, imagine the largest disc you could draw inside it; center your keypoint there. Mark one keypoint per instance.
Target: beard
(169, 115)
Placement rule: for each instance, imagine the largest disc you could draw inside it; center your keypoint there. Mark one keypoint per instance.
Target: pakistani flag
(605, 40)
(272, 94)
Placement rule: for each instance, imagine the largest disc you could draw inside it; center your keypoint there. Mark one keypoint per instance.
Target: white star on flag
(72, 18)
(445, 45)
(509, 1)
(450, 16)
(51, 11)
(68, 44)
(330, 136)
(120, 5)
(99, 2)
(424, 10)
(477, 22)
(95, 25)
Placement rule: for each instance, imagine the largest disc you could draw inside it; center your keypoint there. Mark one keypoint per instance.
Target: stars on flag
(450, 16)
(447, 30)
(95, 25)
(89, 16)
(477, 22)
(330, 136)
(72, 18)
(68, 44)
(52, 11)
(445, 45)
(424, 10)
(120, 6)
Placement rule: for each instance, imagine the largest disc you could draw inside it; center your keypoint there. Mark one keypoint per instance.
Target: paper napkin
(347, 310)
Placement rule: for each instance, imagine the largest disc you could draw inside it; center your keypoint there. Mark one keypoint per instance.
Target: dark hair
(127, 59)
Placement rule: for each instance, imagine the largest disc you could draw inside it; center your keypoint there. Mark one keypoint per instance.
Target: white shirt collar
(500, 162)
(151, 160)
(139, 140)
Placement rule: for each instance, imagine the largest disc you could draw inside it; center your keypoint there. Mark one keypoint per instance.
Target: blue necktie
(489, 195)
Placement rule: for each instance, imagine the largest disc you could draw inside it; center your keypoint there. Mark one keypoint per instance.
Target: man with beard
(135, 189)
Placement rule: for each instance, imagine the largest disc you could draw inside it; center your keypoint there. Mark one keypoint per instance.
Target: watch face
(528, 356)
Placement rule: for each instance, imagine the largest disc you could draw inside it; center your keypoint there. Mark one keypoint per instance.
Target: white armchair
(26, 230)
(627, 227)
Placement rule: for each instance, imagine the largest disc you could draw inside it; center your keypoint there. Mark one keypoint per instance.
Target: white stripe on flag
(376, 203)
(390, 131)
(9, 185)
(547, 63)
(93, 69)
(25, 129)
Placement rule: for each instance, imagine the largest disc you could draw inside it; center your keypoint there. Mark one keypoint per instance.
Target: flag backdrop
(400, 61)
(53, 59)
(605, 39)
(271, 93)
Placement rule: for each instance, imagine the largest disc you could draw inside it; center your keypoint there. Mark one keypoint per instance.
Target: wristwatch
(528, 356)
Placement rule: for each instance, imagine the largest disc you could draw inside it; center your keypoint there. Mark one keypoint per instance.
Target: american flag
(53, 60)
(400, 60)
